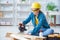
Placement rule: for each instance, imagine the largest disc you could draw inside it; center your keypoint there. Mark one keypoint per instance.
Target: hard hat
(36, 5)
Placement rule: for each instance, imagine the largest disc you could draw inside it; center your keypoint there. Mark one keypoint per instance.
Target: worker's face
(35, 11)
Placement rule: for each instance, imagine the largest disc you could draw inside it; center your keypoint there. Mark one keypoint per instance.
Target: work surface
(25, 37)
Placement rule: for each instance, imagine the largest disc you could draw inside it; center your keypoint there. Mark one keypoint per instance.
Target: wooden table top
(23, 36)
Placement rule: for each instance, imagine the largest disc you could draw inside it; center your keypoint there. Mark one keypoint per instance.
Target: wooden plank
(27, 37)
(14, 39)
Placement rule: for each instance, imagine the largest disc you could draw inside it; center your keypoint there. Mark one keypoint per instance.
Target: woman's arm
(27, 20)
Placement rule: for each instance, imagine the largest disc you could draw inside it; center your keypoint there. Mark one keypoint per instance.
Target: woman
(38, 20)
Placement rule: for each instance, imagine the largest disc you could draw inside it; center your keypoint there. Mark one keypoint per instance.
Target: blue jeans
(46, 32)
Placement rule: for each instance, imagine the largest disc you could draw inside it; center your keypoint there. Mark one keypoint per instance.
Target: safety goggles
(35, 10)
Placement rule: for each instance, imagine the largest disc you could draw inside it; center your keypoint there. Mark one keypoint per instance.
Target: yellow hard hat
(36, 5)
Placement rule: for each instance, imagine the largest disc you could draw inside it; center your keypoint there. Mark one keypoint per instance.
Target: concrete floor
(5, 29)
(14, 29)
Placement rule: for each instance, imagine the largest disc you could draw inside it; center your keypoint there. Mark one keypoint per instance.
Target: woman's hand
(21, 25)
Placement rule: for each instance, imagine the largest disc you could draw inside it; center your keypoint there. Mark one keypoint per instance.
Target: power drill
(22, 28)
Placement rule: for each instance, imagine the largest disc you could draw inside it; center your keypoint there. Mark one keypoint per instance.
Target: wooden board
(29, 37)
(54, 35)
